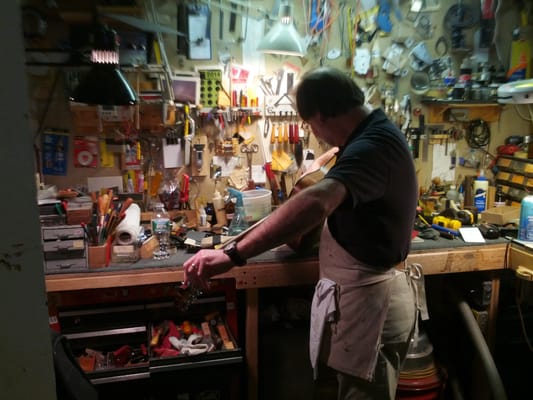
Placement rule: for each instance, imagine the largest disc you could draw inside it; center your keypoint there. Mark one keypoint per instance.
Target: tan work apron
(350, 343)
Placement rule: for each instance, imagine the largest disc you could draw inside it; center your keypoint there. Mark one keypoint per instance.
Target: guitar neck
(242, 234)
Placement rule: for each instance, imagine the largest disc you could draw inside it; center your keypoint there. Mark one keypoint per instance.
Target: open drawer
(112, 355)
(120, 334)
(192, 341)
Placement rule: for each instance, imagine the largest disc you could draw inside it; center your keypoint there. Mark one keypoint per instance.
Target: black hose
(482, 350)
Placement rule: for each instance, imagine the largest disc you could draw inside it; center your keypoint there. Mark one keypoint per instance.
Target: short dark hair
(328, 91)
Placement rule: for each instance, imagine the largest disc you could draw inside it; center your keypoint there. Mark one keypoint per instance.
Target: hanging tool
(188, 132)
(279, 78)
(220, 21)
(274, 133)
(249, 150)
(266, 127)
(233, 18)
(274, 186)
(184, 192)
(298, 146)
(422, 134)
(286, 126)
(199, 151)
(281, 161)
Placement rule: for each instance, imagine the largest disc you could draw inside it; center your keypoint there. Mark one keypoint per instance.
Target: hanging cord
(496, 32)
(524, 117)
(478, 134)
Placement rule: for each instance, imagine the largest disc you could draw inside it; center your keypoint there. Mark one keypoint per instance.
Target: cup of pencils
(106, 216)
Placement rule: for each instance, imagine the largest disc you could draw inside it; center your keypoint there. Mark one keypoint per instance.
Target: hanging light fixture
(104, 84)
(283, 38)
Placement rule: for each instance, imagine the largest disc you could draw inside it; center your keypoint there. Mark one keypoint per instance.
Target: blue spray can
(525, 230)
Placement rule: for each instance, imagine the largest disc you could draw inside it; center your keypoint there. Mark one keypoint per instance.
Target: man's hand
(203, 265)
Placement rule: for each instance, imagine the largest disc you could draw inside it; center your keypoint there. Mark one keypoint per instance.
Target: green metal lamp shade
(283, 38)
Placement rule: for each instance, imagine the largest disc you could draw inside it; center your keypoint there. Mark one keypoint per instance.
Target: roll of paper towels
(129, 228)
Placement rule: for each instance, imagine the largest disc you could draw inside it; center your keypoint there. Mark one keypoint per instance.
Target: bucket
(257, 204)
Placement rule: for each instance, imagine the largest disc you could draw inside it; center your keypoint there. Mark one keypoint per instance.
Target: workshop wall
(390, 78)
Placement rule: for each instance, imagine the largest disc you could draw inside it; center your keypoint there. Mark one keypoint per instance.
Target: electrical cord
(478, 134)
(461, 16)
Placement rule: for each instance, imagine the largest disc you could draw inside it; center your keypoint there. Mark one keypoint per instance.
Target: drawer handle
(63, 248)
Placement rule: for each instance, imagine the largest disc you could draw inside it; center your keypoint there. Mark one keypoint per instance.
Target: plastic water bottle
(161, 227)
(525, 230)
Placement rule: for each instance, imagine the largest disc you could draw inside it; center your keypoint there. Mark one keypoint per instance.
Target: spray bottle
(238, 223)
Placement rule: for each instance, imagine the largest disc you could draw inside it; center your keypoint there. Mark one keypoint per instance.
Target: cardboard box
(500, 215)
(77, 216)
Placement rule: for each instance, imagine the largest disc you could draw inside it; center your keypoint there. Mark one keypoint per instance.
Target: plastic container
(525, 230)
(481, 188)
(257, 204)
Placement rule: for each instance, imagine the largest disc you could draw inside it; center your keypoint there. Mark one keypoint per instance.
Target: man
(363, 310)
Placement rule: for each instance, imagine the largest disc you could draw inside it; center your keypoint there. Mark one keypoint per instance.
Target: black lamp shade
(104, 85)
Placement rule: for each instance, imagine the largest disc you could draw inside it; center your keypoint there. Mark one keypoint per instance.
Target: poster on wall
(54, 153)
(85, 151)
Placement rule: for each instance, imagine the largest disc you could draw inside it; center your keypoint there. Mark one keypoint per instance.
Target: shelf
(86, 119)
(440, 111)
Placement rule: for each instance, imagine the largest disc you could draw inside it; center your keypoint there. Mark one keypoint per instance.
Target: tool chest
(64, 249)
(143, 341)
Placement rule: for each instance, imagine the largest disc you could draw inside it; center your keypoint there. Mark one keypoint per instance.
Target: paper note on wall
(97, 183)
(442, 165)
(226, 164)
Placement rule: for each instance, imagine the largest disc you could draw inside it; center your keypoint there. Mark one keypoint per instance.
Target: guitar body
(308, 243)
(305, 244)
(315, 174)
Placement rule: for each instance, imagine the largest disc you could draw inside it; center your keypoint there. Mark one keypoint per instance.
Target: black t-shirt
(375, 222)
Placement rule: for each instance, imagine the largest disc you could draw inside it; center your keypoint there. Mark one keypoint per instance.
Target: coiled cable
(478, 134)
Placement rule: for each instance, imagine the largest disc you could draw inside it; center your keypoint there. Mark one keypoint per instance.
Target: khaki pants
(397, 332)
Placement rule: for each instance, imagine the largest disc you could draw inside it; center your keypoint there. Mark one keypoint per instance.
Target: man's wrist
(233, 253)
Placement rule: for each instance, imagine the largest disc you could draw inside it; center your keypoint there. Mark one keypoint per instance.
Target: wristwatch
(232, 252)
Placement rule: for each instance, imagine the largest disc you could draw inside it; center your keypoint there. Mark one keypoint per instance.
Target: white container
(481, 189)
(257, 204)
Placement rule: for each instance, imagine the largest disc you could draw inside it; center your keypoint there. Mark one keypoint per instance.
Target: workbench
(281, 267)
